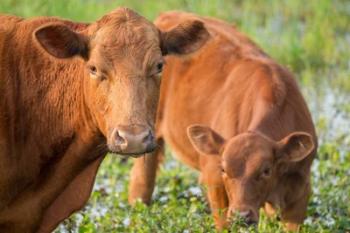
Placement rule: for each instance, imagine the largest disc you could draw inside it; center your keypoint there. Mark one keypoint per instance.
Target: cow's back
(219, 86)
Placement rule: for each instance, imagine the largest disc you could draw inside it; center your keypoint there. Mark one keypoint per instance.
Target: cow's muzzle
(132, 140)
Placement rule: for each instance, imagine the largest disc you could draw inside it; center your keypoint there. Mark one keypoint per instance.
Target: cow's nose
(134, 139)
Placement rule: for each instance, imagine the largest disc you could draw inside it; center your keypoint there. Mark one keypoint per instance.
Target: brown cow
(256, 140)
(69, 92)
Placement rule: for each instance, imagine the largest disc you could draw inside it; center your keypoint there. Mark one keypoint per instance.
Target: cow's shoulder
(30, 24)
(273, 81)
(8, 21)
(261, 78)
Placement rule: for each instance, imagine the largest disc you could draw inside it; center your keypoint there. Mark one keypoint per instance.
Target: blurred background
(311, 38)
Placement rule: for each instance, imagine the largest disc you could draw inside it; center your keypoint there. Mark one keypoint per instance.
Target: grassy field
(311, 37)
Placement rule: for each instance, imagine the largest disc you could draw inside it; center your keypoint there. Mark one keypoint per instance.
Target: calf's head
(250, 164)
(123, 60)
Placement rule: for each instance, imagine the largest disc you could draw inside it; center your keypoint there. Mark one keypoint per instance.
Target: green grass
(311, 37)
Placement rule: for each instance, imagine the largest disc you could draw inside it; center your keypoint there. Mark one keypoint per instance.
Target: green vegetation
(312, 38)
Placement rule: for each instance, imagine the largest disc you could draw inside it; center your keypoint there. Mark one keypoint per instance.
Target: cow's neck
(42, 113)
(48, 107)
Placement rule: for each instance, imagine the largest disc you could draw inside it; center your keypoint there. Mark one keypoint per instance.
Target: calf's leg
(143, 175)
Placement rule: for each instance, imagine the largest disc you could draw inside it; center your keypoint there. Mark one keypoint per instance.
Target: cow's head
(123, 55)
(251, 163)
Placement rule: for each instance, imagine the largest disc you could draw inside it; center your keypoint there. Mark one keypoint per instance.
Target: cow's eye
(266, 172)
(160, 67)
(92, 70)
(222, 170)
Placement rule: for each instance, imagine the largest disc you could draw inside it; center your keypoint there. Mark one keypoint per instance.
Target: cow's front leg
(21, 217)
(218, 205)
(143, 175)
(25, 213)
(72, 198)
(270, 210)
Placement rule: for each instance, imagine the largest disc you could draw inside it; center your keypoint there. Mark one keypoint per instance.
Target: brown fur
(252, 118)
(67, 90)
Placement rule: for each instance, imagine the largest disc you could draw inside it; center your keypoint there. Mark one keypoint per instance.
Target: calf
(70, 92)
(253, 140)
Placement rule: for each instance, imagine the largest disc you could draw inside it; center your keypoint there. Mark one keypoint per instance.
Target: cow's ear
(185, 38)
(61, 42)
(205, 140)
(295, 147)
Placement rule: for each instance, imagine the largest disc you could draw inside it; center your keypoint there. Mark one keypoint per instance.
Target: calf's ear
(185, 38)
(295, 147)
(61, 42)
(205, 140)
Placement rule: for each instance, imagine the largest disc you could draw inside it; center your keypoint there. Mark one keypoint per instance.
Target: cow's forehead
(247, 151)
(125, 27)
(121, 15)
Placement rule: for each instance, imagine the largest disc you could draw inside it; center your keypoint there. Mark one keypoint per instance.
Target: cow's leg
(73, 198)
(270, 210)
(143, 175)
(293, 214)
(27, 210)
(218, 201)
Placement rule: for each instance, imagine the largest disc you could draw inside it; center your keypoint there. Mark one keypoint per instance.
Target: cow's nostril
(149, 138)
(119, 140)
(134, 139)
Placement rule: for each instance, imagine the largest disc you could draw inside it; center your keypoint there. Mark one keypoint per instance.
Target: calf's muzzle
(247, 215)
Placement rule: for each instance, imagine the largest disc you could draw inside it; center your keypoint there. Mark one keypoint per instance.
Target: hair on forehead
(124, 26)
(120, 15)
